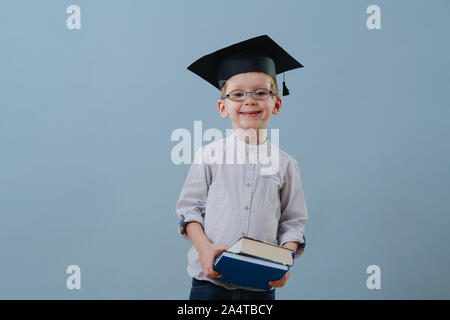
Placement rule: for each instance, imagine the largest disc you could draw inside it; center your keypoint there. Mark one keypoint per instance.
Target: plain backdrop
(86, 118)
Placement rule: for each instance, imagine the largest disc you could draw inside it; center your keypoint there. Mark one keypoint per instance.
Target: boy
(220, 202)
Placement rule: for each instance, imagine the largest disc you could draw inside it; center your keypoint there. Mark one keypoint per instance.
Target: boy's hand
(207, 253)
(281, 282)
(293, 245)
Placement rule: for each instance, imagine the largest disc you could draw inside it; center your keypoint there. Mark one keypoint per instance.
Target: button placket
(252, 156)
(248, 196)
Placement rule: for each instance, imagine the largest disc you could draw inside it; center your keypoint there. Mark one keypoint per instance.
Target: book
(247, 270)
(265, 250)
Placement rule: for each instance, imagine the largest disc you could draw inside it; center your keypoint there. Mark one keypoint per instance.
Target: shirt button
(248, 184)
(246, 207)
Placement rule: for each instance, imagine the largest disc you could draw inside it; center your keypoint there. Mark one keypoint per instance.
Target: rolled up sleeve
(191, 203)
(291, 226)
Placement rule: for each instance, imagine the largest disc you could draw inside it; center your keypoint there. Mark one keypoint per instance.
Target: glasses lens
(238, 95)
(261, 93)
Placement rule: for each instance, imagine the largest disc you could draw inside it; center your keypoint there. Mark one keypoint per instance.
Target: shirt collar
(247, 147)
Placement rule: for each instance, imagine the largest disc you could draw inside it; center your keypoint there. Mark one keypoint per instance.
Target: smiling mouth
(250, 114)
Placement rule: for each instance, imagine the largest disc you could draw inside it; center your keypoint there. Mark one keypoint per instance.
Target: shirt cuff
(184, 220)
(294, 238)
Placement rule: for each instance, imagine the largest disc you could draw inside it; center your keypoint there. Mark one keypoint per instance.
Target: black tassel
(285, 89)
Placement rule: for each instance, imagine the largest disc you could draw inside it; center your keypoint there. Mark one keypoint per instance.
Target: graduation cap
(259, 54)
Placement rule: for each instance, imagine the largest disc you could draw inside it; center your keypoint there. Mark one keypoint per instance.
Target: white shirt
(232, 200)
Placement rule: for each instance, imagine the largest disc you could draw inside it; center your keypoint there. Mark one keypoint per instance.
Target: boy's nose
(249, 98)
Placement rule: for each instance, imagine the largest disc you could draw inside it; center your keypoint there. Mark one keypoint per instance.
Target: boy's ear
(277, 107)
(222, 110)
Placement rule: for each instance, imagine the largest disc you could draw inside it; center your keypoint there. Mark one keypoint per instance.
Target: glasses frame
(247, 93)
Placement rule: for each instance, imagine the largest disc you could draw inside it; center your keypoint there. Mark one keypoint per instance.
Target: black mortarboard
(260, 54)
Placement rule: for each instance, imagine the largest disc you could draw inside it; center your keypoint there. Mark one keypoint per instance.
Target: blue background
(86, 118)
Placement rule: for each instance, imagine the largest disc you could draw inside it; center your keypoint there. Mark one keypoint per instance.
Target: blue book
(248, 270)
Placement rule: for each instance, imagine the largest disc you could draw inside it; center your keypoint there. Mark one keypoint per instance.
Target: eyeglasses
(258, 94)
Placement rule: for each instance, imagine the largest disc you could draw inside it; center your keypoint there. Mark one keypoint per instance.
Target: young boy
(220, 202)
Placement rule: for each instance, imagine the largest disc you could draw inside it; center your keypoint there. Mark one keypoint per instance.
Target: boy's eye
(261, 93)
(237, 94)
